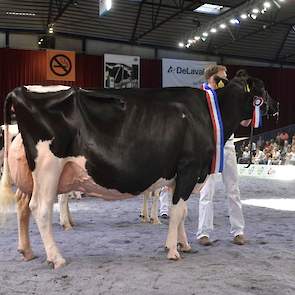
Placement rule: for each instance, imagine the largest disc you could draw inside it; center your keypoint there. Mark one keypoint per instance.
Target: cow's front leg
(182, 237)
(23, 220)
(65, 218)
(176, 216)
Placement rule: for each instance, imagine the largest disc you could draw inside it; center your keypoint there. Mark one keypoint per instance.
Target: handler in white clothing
(230, 180)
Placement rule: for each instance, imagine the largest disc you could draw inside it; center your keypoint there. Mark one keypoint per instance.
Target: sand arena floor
(111, 252)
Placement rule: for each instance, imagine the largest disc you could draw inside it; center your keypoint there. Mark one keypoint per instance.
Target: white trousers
(230, 181)
(165, 197)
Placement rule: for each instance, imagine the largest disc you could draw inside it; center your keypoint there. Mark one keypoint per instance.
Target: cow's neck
(231, 110)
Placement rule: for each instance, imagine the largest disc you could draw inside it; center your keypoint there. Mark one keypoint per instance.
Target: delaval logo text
(185, 71)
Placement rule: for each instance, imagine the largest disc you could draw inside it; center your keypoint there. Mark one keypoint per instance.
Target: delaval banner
(178, 72)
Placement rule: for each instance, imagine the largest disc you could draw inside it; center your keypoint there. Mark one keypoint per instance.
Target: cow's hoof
(27, 254)
(57, 264)
(184, 247)
(173, 255)
(145, 220)
(67, 226)
(155, 221)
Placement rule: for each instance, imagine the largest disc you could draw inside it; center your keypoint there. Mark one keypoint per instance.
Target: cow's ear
(220, 82)
(244, 76)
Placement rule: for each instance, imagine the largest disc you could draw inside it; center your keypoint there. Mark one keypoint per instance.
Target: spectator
(260, 157)
(245, 156)
(275, 157)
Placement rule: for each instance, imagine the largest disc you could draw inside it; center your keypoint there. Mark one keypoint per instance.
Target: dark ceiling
(164, 23)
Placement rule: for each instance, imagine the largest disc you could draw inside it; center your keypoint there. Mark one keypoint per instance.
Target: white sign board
(121, 71)
(281, 172)
(177, 72)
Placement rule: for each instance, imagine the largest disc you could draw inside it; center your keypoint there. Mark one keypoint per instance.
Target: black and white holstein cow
(114, 144)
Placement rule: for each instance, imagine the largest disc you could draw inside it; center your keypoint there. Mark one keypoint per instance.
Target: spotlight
(266, 5)
(190, 41)
(222, 26)
(244, 16)
(50, 29)
(255, 10)
(234, 21)
(213, 30)
(197, 38)
(254, 16)
(181, 44)
(205, 34)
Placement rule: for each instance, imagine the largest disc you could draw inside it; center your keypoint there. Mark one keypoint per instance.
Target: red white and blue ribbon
(257, 116)
(212, 100)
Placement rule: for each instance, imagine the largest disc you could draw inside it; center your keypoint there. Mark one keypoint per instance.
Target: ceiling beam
(49, 13)
(284, 42)
(208, 54)
(62, 10)
(190, 6)
(257, 31)
(137, 20)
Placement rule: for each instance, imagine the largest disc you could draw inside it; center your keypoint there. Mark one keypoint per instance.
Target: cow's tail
(7, 196)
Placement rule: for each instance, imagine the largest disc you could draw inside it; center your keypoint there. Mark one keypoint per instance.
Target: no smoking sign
(60, 65)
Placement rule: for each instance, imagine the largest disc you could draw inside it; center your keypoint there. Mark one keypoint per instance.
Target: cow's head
(270, 107)
(253, 92)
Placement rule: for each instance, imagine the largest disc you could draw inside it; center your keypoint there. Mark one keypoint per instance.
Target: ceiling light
(267, 4)
(213, 30)
(181, 44)
(104, 7)
(205, 34)
(20, 13)
(108, 4)
(190, 41)
(254, 16)
(234, 21)
(244, 16)
(211, 9)
(255, 10)
(222, 26)
(197, 38)
(50, 29)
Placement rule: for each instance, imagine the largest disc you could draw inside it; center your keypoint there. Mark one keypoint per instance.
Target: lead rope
(251, 149)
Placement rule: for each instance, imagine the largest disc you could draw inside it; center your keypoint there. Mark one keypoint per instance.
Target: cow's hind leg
(154, 210)
(65, 217)
(45, 179)
(23, 219)
(145, 210)
(182, 237)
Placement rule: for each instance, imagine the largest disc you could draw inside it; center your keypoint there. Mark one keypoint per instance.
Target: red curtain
(150, 73)
(25, 67)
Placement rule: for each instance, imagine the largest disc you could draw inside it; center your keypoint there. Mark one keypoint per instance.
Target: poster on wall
(60, 65)
(121, 71)
(177, 72)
